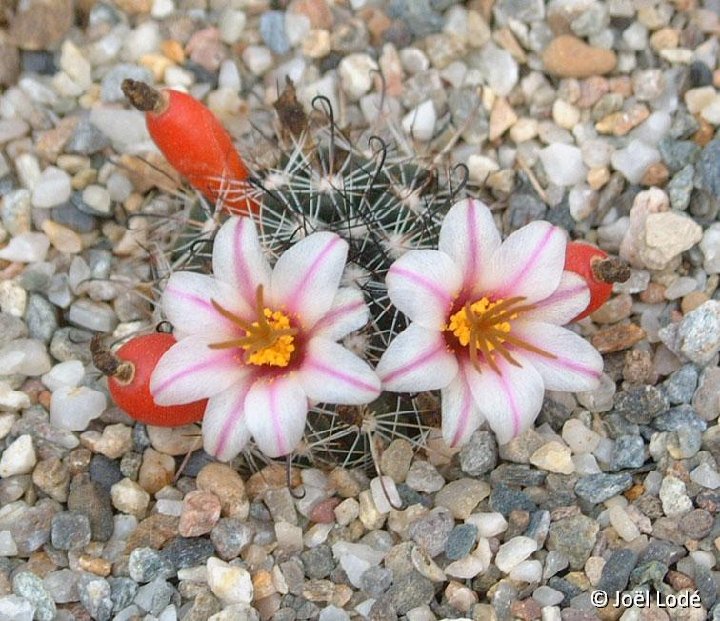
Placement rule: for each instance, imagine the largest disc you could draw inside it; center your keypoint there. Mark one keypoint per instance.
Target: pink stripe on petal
(512, 402)
(474, 247)
(337, 313)
(530, 265)
(205, 305)
(465, 412)
(294, 299)
(340, 376)
(414, 364)
(275, 418)
(201, 366)
(244, 278)
(238, 411)
(440, 294)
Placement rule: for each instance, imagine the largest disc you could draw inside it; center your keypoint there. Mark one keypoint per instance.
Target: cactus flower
(486, 321)
(261, 343)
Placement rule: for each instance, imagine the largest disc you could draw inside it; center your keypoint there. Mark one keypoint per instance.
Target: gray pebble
(231, 536)
(432, 530)
(110, 90)
(648, 574)
(41, 318)
(708, 171)
(182, 552)
(617, 569)
(11, 328)
(680, 187)
(95, 595)
(504, 499)
(62, 586)
(146, 564)
(461, 541)
(376, 580)
(517, 475)
(679, 417)
(94, 501)
(479, 455)
(155, 596)
(574, 536)
(318, 562)
(640, 404)
(417, 14)
(681, 384)
(596, 488)
(706, 585)
(105, 471)
(698, 334)
(272, 30)
(71, 216)
(122, 591)
(70, 530)
(30, 587)
(71, 344)
(628, 452)
(411, 591)
(523, 209)
(677, 153)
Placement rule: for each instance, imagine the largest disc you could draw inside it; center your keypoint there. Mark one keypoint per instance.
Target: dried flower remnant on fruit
(261, 343)
(486, 321)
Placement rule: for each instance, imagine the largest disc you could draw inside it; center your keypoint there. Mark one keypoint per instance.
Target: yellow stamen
(484, 327)
(268, 341)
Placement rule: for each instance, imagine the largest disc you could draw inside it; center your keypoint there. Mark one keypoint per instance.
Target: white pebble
(297, 27)
(12, 400)
(10, 129)
(128, 497)
(384, 499)
(229, 76)
(710, 246)
(578, 437)
(74, 408)
(18, 458)
(622, 523)
(653, 129)
(230, 583)
(420, 122)
(75, 65)
(480, 166)
(680, 287)
(7, 544)
(52, 189)
(162, 8)
(527, 571)
(634, 160)
(125, 128)
(585, 463)
(97, 198)
(13, 298)
(15, 608)
(706, 476)
(26, 248)
(333, 613)
(488, 524)
(92, 315)
(169, 507)
(68, 374)
(24, 357)
(547, 596)
(347, 511)
(28, 170)
(563, 164)
(500, 69)
(231, 25)
(514, 552)
(356, 73)
(257, 58)
(289, 537)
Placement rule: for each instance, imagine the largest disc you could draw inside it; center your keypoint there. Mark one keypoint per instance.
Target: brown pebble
(637, 367)
(200, 512)
(635, 492)
(705, 134)
(591, 90)
(345, 484)
(317, 11)
(270, 477)
(620, 123)
(324, 511)
(678, 580)
(614, 310)
(617, 338)
(228, 486)
(656, 174)
(97, 566)
(173, 50)
(570, 57)
(692, 300)
(153, 532)
(527, 610)
(653, 294)
(157, 471)
(263, 585)
(40, 24)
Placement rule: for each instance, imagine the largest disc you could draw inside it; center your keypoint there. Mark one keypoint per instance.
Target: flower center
(485, 328)
(268, 341)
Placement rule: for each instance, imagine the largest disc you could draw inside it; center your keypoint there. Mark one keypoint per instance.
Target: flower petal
(225, 431)
(238, 259)
(187, 304)
(306, 277)
(190, 370)
(510, 400)
(567, 301)
(275, 412)
(417, 359)
(332, 374)
(460, 414)
(347, 314)
(577, 365)
(469, 236)
(423, 284)
(529, 263)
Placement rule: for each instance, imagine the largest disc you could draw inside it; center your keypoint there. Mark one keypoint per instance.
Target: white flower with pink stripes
(260, 342)
(486, 320)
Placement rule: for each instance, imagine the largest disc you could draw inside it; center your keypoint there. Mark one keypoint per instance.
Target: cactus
(382, 204)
